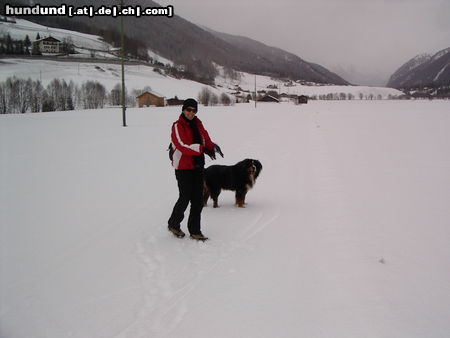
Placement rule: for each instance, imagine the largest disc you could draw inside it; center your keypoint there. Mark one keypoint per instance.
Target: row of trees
(12, 46)
(18, 96)
(346, 96)
(208, 98)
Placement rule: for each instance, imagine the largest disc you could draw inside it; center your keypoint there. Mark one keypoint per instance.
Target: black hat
(189, 103)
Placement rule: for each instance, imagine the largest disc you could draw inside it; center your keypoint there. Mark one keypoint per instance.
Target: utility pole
(122, 61)
(255, 91)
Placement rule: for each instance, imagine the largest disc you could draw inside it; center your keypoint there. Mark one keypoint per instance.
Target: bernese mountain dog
(240, 177)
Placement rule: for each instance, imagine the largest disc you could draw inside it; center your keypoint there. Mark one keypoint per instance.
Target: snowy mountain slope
(108, 74)
(345, 233)
(187, 44)
(84, 43)
(21, 28)
(423, 70)
(298, 68)
(410, 65)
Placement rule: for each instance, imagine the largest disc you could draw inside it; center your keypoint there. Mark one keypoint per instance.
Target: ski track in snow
(164, 305)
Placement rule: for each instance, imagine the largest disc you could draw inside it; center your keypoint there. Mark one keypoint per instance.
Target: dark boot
(177, 232)
(199, 237)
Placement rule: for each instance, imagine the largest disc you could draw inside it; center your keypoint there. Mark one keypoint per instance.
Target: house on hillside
(49, 45)
(150, 99)
(268, 98)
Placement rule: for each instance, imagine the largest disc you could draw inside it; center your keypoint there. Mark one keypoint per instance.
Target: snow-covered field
(346, 233)
(247, 82)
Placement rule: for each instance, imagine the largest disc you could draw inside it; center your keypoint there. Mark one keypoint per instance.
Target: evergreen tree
(35, 50)
(9, 44)
(27, 44)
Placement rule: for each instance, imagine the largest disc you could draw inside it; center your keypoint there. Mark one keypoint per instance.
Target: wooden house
(148, 99)
(302, 99)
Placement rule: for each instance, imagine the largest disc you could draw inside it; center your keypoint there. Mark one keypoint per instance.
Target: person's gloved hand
(210, 153)
(217, 149)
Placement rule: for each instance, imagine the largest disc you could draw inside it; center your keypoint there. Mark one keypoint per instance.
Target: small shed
(268, 98)
(302, 99)
(149, 99)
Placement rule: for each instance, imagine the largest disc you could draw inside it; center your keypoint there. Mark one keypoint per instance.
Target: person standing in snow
(190, 141)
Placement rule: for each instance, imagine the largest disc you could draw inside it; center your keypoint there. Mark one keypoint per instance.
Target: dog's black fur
(240, 177)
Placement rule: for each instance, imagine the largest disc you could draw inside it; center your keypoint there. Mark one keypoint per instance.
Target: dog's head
(252, 168)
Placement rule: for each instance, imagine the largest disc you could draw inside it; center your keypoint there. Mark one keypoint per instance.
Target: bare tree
(93, 95)
(214, 100)
(204, 97)
(225, 99)
(25, 90)
(114, 97)
(16, 90)
(36, 96)
(4, 102)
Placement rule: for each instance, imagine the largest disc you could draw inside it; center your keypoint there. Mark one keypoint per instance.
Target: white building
(49, 45)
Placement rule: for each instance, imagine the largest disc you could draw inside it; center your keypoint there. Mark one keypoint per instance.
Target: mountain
(196, 48)
(423, 71)
(285, 63)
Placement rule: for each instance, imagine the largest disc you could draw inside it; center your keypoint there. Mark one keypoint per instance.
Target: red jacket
(183, 143)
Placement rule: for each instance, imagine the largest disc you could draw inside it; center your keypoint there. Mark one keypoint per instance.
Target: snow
(108, 74)
(418, 60)
(247, 82)
(440, 72)
(22, 28)
(345, 233)
(140, 76)
(84, 44)
(440, 54)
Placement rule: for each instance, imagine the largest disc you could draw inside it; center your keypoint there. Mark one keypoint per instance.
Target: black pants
(190, 186)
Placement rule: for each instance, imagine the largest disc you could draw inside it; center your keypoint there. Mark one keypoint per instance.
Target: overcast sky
(365, 41)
